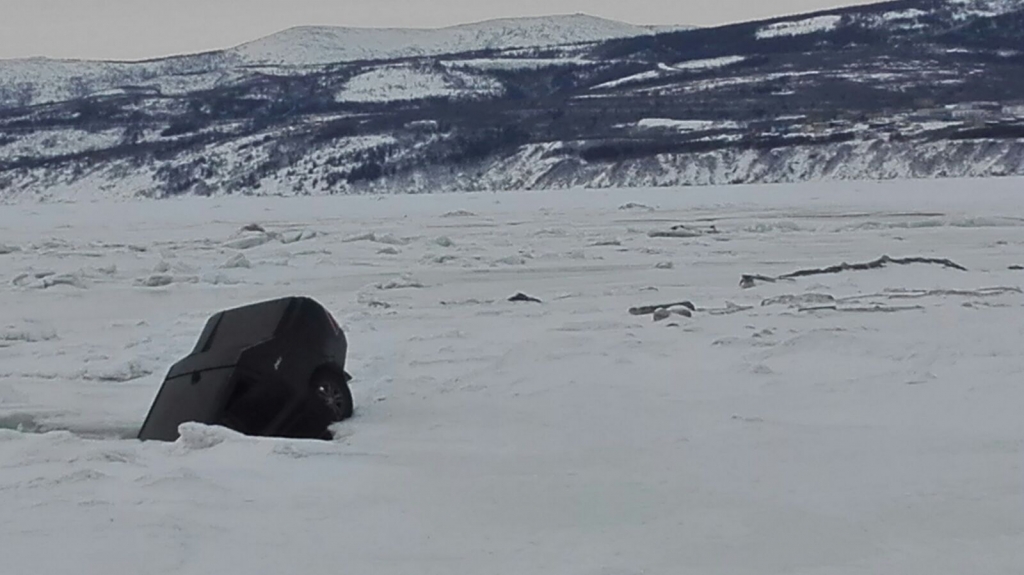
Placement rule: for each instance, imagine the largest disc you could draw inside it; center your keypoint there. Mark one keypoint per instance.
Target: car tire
(333, 392)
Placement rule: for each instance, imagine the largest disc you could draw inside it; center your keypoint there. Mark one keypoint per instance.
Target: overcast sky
(136, 29)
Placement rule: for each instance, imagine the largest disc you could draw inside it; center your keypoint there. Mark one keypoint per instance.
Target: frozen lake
(849, 423)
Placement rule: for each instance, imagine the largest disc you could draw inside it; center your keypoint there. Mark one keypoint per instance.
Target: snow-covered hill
(306, 46)
(912, 88)
(36, 81)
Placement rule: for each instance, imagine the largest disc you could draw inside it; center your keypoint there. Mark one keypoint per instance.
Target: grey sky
(136, 29)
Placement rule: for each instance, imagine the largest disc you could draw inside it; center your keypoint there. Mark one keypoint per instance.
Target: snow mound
(220, 278)
(513, 260)
(458, 214)
(119, 371)
(155, 280)
(28, 332)
(249, 240)
(74, 280)
(772, 227)
(404, 282)
(236, 261)
(48, 279)
(199, 437)
(385, 238)
(11, 435)
(299, 236)
(439, 259)
(635, 206)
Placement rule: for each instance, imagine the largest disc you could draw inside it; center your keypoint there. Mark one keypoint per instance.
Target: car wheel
(334, 393)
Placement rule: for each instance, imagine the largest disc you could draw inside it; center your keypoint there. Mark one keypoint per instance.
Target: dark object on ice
(710, 230)
(663, 313)
(676, 232)
(523, 297)
(1017, 268)
(683, 231)
(275, 368)
(649, 309)
(749, 281)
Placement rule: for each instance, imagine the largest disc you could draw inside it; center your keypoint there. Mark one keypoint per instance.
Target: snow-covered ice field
(569, 437)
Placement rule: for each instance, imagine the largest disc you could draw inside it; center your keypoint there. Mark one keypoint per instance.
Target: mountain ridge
(393, 43)
(611, 29)
(40, 80)
(909, 88)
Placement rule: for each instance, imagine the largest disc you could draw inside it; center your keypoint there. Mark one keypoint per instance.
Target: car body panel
(251, 370)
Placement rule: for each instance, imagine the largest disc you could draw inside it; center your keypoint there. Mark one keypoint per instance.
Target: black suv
(275, 368)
